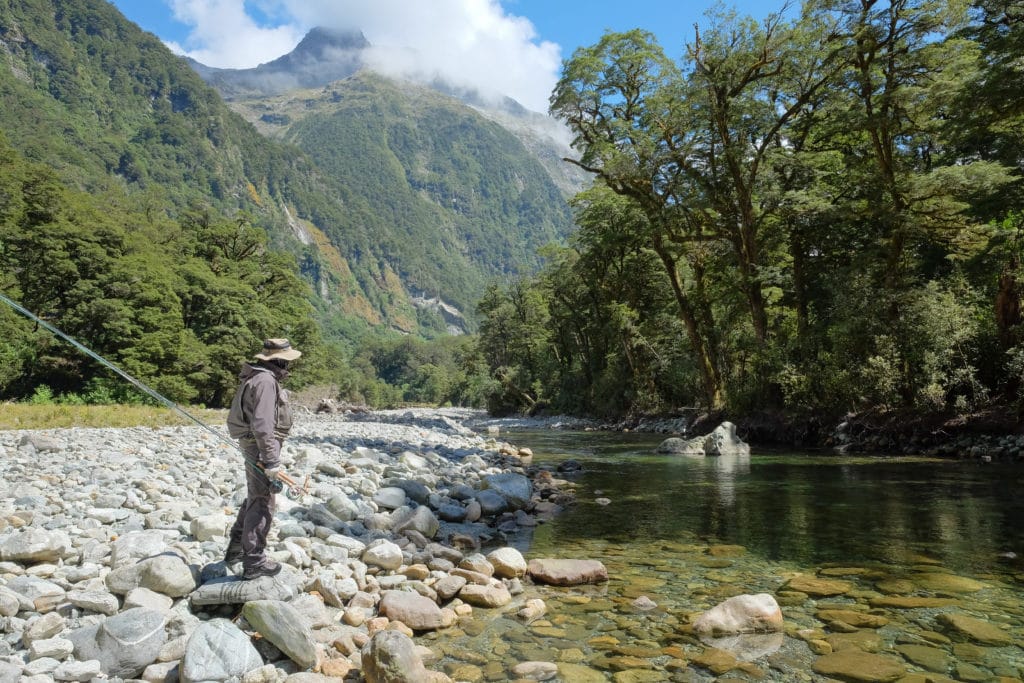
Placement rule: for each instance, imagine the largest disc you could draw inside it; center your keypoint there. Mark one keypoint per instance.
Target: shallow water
(687, 533)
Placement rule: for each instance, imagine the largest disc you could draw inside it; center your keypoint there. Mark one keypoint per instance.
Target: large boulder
(514, 488)
(34, 594)
(230, 590)
(421, 519)
(124, 644)
(488, 595)
(34, 545)
(508, 563)
(218, 651)
(384, 554)
(283, 625)
(416, 611)
(136, 545)
(741, 614)
(724, 441)
(490, 503)
(166, 573)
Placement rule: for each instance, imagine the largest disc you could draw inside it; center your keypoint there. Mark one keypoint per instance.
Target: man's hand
(276, 485)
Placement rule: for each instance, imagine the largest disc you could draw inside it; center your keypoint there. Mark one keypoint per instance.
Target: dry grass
(25, 416)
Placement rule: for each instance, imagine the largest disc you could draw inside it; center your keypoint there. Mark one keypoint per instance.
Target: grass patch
(55, 416)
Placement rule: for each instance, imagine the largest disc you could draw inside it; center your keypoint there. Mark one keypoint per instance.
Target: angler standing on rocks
(260, 418)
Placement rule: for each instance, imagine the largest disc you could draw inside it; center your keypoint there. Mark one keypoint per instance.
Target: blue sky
(512, 46)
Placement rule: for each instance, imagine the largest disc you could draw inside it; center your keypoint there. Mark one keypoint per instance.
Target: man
(260, 418)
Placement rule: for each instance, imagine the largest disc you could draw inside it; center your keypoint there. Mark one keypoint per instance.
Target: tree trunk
(711, 377)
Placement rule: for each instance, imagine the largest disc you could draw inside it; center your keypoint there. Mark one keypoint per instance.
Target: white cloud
(224, 35)
(470, 43)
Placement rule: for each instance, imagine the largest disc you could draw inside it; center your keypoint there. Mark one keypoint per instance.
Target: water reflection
(805, 508)
(904, 540)
(747, 647)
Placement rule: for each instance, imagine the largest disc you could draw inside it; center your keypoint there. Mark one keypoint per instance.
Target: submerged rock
(562, 572)
(975, 629)
(857, 665)
(741, 614)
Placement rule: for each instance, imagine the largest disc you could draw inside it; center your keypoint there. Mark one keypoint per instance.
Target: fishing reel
(282, 482)
(292, 489)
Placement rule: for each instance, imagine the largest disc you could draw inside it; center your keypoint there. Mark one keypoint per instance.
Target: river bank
(111, 546)
(995, 435)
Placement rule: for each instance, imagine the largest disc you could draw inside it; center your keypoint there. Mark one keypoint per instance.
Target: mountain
(437, 181)
(324, 55)
(416, 205)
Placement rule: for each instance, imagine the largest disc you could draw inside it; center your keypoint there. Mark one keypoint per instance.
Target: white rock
(210, 527)
(144, 597)
(741, 614)
(507, 562)
(95, 601)
(78, 671)
(384, 554)
(54, 648)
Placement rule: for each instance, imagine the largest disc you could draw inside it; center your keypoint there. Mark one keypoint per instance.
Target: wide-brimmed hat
(274, 349)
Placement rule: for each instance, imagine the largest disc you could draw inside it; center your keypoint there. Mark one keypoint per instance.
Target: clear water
(687, 533)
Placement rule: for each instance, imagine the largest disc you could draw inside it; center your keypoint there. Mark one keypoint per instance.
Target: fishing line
(134, 382)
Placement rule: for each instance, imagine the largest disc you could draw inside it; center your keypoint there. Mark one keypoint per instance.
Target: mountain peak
(324, 55)
(321, 45)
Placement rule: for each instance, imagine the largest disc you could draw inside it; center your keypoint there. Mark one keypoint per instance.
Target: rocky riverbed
(111, 546)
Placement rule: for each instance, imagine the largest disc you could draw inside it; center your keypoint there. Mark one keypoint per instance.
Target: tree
(514, 339)
(619, 97)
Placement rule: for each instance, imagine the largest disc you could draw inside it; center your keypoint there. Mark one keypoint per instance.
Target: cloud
(468, 43)
(225, 35)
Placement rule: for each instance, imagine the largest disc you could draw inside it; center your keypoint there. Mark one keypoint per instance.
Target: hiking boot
(269, 569)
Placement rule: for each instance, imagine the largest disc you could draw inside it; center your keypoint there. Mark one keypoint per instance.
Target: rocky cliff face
(323, 56)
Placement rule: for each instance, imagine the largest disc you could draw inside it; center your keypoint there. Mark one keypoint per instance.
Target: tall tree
(620, 98)
(748, 84)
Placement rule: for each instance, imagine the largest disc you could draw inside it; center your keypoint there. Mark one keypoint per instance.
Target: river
(885, 568)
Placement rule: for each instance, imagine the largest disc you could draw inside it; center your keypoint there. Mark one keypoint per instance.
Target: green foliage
(812, 216)
(449, 198)
(110, 108)
(42, 396)
(442, 371)
(177, 306)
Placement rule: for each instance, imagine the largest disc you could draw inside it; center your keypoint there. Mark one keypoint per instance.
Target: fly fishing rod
(293, 487)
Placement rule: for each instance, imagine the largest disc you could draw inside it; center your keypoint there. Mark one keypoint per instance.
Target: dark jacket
(260, 411)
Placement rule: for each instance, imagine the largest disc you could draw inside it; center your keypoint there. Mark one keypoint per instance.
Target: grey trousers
(255, 514)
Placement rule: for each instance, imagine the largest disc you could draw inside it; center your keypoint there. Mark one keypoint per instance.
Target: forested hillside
(172, 302)
(119, 124)
(108, 106)
(819, 215)
(435, 180)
